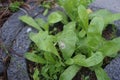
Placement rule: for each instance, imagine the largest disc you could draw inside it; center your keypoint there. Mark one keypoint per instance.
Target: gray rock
(22, 41)
(20, 44)
(113, 69)
(17, 69)
(112, 5)
(1, 67)
(12, 25)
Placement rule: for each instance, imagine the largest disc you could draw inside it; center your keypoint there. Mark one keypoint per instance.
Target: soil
(5, 13)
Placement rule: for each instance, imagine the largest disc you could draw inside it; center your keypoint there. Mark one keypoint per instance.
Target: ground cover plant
(63, 50)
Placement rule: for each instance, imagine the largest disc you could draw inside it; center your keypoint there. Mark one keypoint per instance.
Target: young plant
(79, 44)
(15, 6)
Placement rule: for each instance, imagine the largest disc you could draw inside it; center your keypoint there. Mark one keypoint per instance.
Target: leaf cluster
(79, 44)
(14, 6)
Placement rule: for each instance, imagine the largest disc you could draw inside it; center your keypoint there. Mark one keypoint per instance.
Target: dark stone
(17, 69)
(1, 67)
(22, 41)
(12, 25)
(112, 5)
(113, 69)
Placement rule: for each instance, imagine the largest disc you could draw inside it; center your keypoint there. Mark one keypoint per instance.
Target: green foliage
(79, 44)
(54, 18)
(36, 74)
(69, 73)
(67, 36)
(101, 74)
(15, 6)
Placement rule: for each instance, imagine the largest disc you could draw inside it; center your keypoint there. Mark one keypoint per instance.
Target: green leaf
(44, 42)
(54, 18)
(36, 75)
(49, 57)
(80, 60)
(82, 33)
(30, 21)
(64, 16)
(45, 12)
(70, 72)
(111, 18)
(44, 72)
(15, 6)
(101, 74)
(71, 7)
(96, 26)
(100, 13)
(42, 23)
(83, 16)
(110, 48)
(106, 15)
(35, 58)
(95, 59)
(67, 40)
(94, 34)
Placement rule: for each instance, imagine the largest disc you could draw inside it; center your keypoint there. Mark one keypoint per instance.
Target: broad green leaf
(94, 34)
(35, 58)
(44, 42)
(100, 13)
(111, 18)
(36, 74)
(106, 15)
(96, 26)
(49, 57)
(42, 23)
(101, 74)
(54, 18)
(64, 16)
(94, 41)
(83, 16)
(76, 59)
(110, 48)
(71, 7)
(67, 40)
(93, 60)
(70, 72)
(30, 21)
